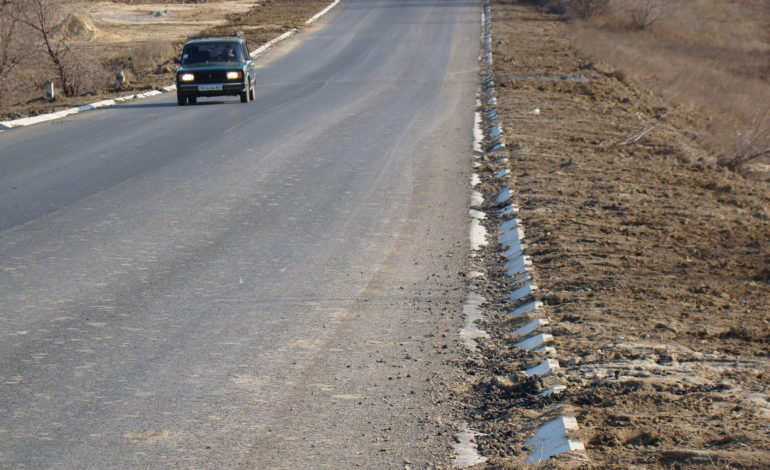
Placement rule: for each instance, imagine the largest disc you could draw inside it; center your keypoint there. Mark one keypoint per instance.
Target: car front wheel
(181, 100)
(245, 95)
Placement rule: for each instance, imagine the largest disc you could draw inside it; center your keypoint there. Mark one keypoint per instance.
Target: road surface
(265, 285)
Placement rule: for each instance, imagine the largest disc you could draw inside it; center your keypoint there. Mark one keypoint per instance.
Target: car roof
(215, 41)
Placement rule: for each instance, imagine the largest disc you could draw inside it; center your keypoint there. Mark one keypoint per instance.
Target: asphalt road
(263, 285)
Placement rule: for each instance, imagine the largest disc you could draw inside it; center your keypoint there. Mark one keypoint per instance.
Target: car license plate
(209, 87)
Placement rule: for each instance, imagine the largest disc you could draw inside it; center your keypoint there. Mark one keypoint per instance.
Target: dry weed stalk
(752, 145)
(643, 13)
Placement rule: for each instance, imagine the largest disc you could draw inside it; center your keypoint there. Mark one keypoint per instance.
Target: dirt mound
(77, 26)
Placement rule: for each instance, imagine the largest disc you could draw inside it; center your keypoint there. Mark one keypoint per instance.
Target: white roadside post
(49, 91)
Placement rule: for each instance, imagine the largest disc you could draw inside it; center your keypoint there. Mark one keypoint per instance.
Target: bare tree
(9, 56)
(43, 17)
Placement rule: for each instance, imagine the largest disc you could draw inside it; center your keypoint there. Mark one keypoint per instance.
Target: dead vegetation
(711, 56)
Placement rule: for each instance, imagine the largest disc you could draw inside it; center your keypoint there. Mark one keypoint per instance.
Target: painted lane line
(321, 13)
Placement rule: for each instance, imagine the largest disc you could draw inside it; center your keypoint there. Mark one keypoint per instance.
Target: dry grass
(713, 56)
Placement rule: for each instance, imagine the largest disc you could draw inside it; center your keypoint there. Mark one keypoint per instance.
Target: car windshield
(211, 52)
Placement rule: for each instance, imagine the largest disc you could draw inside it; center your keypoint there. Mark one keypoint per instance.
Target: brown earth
(653, 264)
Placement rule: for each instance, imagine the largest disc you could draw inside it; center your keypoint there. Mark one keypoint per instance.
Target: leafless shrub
(87, 74)
(751, 145)
(643, 13)
(148, 55)
(584, 9)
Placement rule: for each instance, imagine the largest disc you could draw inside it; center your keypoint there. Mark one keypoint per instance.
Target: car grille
(210, 77)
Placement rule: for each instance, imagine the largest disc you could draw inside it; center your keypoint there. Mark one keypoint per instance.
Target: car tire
(181, 100)
(251, 94)
(192, 99)
(245, 95)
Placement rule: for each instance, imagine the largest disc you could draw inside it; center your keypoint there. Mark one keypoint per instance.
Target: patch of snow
(472, 312)
(478, 235)
(504, 195)
(531, 327)
(523, 291)
(509, 224)
(535, 342)
(510, 209)
(466, 452)
(551, 439)
(512, 238)
(476, 199)
(554, 389)
(518, 266)
(545, 367)
(477, 214)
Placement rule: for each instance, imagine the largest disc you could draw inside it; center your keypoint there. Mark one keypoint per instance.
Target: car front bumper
(195, 89)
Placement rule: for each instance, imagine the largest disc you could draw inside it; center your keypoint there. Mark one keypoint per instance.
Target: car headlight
(186, 77)
(234, 75)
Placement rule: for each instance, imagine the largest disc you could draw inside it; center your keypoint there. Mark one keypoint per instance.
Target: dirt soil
(116, 22)
(125, 32)
(653, 264)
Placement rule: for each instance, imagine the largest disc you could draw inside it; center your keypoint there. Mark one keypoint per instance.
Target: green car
(215, 66)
